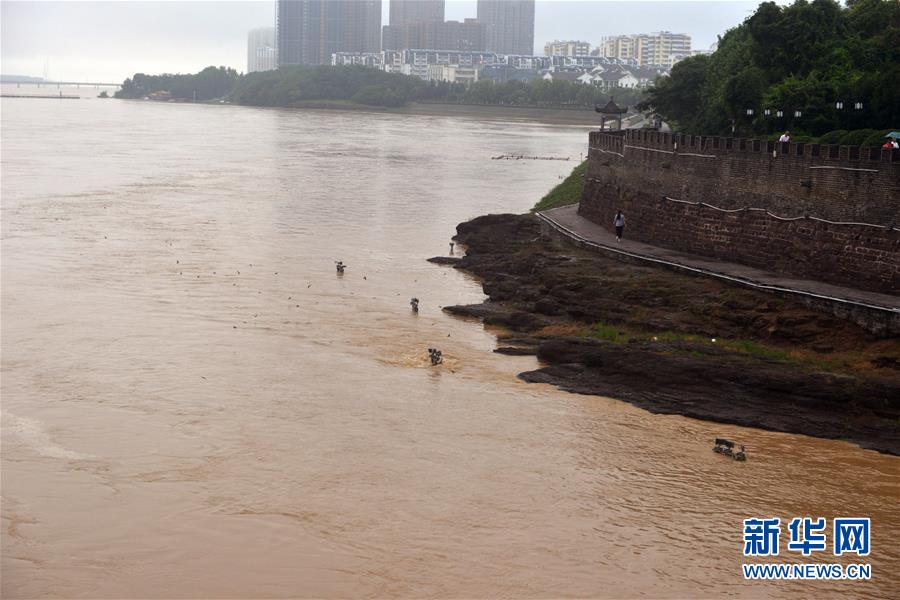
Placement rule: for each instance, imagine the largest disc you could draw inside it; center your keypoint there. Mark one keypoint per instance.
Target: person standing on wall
(619, 223)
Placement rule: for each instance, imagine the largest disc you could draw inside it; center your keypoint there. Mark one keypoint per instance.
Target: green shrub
(833, 137)
(610, 333)
(567, 192)
(856, 137)
(878, 138)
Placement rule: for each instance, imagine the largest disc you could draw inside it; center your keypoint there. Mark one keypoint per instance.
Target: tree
(803, 57)
(680, 93)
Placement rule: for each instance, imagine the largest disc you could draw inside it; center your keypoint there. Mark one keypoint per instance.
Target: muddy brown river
(195, 405)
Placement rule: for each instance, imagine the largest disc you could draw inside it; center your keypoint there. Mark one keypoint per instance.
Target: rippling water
(195, 405)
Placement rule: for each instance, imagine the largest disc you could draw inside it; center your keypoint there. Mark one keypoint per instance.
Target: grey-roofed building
(503, 73)
(570, 76)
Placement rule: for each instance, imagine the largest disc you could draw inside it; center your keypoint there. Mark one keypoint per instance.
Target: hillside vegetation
(567, 192)
(302, 85)
(803, 57)
(208, 84)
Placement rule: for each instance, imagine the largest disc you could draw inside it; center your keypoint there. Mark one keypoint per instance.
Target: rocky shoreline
(677, 344)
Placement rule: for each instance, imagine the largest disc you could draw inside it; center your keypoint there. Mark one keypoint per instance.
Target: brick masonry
(771, 191)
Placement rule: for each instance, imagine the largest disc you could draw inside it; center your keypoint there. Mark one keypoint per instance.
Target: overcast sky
(109, 41)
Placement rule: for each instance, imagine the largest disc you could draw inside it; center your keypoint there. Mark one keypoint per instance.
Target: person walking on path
(785, 137)
(619, 223)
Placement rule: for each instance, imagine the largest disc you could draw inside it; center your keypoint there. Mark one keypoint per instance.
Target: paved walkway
(567, 220)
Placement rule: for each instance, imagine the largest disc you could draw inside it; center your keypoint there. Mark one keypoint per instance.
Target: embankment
(825, 213)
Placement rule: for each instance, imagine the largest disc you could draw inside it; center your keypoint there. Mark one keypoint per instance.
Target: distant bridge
(61, 83)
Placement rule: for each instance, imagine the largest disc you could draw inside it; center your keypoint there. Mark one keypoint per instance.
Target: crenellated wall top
(678, 143)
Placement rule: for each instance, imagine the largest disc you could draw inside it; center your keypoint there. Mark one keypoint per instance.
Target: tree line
(800, 59)
(295, 86)
(209, 84)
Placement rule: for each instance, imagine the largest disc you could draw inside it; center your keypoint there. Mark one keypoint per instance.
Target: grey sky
(108, 41)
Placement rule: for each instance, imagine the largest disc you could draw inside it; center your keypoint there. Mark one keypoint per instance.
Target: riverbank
(677, 344)
(550, 116)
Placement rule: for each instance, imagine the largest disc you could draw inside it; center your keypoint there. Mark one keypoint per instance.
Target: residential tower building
(567, 48)
(509, 25)
(310, 31)
(662, 48)
(261, 49)
(403, 12)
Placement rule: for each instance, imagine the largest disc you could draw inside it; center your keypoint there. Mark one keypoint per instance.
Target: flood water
(195, 405)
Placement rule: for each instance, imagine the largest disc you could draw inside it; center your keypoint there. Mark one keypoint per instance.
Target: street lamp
(845, 119)
(840, 105)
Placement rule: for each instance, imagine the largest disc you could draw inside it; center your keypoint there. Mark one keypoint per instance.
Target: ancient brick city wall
(820, 212)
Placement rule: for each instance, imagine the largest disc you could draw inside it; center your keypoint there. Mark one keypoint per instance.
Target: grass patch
(749, 347)
(620, 335)
(567, 192)
(563, 330)
(756, 349)
(610, 333)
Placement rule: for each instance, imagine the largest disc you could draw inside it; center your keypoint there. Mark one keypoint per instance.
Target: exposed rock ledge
(645, 336)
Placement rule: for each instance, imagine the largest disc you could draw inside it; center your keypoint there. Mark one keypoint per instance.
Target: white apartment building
(468, 66)
(261, 52)
(567, 48)
(373, 60)
(661, 48)
(452, 73)
(266, 59)
(621, 47)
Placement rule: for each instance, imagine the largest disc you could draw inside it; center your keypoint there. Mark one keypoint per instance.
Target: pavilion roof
(611, 108)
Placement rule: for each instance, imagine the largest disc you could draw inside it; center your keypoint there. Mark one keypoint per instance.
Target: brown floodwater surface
(195, 405)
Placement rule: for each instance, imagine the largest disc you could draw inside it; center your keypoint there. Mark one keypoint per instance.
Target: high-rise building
(310, 31)
(619, 46)
(261, 49)
(567, 48)
(468, 35)
(662, 48)
(509, 25)
(403, 12)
